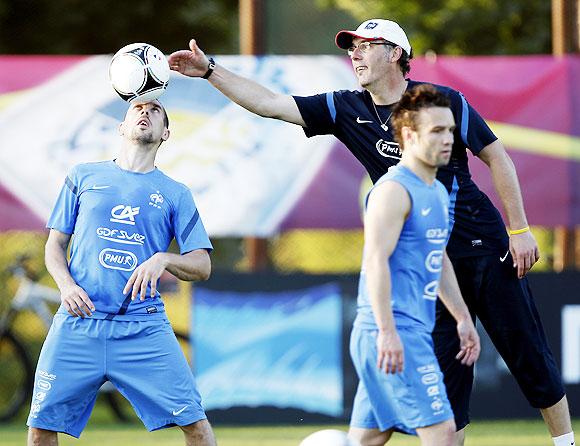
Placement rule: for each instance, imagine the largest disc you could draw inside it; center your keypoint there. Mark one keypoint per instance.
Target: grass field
(481, 433)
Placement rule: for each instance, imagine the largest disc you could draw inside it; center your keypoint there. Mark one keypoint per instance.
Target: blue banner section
(281, 349)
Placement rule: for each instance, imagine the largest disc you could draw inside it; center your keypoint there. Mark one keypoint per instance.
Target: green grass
(480, 433)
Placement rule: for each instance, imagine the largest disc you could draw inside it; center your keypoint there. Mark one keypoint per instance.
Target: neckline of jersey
(151, 172)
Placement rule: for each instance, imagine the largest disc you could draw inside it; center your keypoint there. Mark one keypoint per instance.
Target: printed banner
(279, 349)
(253, 176)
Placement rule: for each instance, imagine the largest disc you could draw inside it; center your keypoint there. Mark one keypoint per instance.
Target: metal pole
(252, 43)
(566, 39)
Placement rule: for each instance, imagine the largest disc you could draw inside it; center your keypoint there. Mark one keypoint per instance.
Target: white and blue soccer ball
(329, 437)
(139, 71)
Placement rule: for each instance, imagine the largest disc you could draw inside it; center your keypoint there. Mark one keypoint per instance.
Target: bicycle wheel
(16, 376)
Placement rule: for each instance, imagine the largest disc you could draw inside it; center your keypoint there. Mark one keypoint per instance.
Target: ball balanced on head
(139, 71)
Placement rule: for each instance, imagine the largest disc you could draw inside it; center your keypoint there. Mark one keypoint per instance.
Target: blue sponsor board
(280, 349)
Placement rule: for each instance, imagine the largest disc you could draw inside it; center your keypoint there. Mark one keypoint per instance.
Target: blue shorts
(141, 358)
(404, 401)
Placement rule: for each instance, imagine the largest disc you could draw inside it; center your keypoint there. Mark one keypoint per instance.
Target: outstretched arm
(450, 294)
(244, 92)
(523, 246)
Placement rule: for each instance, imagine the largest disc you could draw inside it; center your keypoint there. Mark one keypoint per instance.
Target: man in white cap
(489, 262)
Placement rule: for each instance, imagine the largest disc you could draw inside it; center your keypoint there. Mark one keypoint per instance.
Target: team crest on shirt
(388, 149)
(156, 199)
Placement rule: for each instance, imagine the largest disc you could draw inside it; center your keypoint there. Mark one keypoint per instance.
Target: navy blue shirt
(477, 226)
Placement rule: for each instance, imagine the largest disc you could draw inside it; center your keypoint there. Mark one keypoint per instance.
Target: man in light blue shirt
(111, 325)
(404, 269)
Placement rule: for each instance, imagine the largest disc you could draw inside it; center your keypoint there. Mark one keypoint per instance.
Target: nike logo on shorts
(425, 212)
(502, 259)
(177, 412)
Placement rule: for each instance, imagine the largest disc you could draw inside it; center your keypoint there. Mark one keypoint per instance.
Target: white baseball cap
(375, 29)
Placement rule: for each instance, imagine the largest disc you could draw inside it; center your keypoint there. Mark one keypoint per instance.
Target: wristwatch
(210, 68)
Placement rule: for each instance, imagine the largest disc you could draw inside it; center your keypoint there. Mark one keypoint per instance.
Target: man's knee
(199, 433)
(41, 437)
(369, 437)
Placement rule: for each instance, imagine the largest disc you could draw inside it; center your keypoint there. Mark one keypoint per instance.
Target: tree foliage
(463, 26)
(103, 26)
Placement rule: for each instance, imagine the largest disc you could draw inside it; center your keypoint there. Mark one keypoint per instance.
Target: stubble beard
(142, 137)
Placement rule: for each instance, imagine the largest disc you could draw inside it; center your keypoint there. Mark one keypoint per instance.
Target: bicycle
(16, 366)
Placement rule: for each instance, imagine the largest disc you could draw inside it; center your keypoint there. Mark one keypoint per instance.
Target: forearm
(449, 292)
(194, 266)
(255, 97)
(379, 288)
(57, 265)
(244, 92)
(506, 183)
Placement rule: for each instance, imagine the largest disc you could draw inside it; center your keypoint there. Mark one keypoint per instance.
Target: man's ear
(407, 134)
(121, 128)
(165, 135)
(396, 54)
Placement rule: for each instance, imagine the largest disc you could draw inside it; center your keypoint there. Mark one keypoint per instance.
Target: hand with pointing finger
(192, 62)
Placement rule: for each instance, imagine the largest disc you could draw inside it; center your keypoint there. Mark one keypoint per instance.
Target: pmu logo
(434, 261)
(371, 25)
(118, 259)
(124, 214)
(388, 149)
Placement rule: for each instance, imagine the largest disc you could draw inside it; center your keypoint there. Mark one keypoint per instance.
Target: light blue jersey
(120, 219)
(416, 397)
(422, 242)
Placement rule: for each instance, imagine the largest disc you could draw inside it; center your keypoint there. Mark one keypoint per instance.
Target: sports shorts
(404, 401)
(141, 358)
(505, 307)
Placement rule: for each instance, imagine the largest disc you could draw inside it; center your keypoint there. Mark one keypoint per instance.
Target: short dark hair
(165, 116)
(412, 102)
(404, 62)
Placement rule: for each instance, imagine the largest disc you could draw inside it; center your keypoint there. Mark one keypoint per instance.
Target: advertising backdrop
(256, 177)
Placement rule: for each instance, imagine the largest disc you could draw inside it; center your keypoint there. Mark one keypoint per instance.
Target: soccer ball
(139, 71)
(329, 437)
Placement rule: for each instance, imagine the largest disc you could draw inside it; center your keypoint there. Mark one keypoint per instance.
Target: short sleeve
(318, 112)
(471, 127)
(65, 211)
(188, 227)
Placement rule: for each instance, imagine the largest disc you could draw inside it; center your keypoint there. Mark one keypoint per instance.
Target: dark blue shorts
(505, 306)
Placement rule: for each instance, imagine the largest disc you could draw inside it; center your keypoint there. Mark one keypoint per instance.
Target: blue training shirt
(477, 226)
(417, 260)
(119, 219)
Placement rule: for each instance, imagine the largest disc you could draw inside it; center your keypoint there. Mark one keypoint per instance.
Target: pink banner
(532, 103)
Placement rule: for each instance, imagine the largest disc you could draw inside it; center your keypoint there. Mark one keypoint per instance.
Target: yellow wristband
(519, 231)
